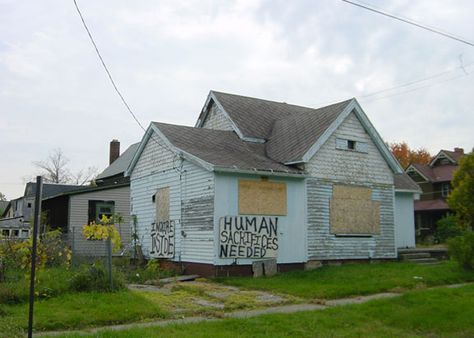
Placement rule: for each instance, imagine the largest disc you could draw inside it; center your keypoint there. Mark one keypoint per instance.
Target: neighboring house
(18, 215)
(110, 196)
(435, 181)
(257, 180)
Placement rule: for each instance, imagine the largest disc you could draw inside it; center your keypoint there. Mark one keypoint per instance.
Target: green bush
(50, 282)
(9, 294)
(448, 227)
(95, 278)
(461, 249)
(51, 251)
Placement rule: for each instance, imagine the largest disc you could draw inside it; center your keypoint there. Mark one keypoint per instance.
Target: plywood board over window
(262, 198)
(162, 200)
(353, 212)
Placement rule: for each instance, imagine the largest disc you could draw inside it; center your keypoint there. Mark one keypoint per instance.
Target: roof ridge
(282, 103)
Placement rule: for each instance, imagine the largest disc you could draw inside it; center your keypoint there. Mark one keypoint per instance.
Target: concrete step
(415, 255)
(424, 260)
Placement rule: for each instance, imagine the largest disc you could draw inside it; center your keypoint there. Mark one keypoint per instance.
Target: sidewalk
(292, 308)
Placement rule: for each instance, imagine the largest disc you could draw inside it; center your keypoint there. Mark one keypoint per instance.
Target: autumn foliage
(407, 156)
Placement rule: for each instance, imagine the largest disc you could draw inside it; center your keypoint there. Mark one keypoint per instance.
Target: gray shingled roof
(120, 164)
(50, 189)
(294, 135)
(222, 148)
(256, 117)
(404, 182)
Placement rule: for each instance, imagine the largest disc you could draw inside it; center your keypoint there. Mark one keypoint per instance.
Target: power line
(430, 77)
(113, 82)
(418, 88)
(407, 84)
(411, 22)
(105, 66)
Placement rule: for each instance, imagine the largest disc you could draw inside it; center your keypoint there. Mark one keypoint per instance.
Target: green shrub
(9, 294)
(95, 278)
(461, 249)
(50, 282)
(448, 227)
(51, 251)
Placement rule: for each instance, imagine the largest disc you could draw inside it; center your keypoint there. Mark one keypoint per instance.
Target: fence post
(108, 245)
(73, 245)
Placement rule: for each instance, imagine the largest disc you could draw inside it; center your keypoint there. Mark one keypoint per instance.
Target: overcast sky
(167, 55)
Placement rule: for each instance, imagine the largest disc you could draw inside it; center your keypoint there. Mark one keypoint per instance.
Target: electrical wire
(411, 22)
(109, 75)
(417, 88)
(407, 84)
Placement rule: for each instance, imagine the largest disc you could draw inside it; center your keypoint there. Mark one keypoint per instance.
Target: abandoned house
(266, 185)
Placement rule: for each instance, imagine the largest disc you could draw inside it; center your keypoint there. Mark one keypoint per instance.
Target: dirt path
(288, 308)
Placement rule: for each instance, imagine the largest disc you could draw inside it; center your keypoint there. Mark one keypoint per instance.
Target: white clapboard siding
(322, 245)
(216, 120)
(330, 162)
(332, 165)
(79, 214)
(191, 201)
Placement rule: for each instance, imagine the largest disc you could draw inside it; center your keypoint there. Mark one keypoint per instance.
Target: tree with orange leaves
(406, 156)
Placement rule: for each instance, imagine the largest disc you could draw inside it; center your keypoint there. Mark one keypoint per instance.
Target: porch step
(424, 260)
(415, 255)
(423, 255)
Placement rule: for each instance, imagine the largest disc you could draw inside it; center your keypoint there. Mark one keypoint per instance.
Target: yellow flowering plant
(103, 230)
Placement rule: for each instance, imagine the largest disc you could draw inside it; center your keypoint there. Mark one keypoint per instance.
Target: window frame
(93, 214)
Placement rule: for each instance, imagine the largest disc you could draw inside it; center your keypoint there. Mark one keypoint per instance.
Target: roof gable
(354, 107)
(451, 156)
(442, 173)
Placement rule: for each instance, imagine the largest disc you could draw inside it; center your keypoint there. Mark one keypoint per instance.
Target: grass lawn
(356, 279)
(76, 310)
(89, 309)
(422, 313)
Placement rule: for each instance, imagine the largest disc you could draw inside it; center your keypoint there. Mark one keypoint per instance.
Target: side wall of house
(291, 227)
(191, 202)
(331, 166)
(404, 220)
(216, 119)
(79, 215)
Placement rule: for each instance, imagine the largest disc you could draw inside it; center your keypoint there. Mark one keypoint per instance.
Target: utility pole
(36, 224)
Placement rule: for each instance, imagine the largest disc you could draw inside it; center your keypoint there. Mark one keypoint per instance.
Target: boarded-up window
(262, 198)
(353, 212)
(162, 202)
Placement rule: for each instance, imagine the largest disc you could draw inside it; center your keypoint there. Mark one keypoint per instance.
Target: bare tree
(2, 197)
(84, 176)
(54, 170)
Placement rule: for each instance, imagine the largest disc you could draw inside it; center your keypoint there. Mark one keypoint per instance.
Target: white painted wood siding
(322, 245)
(191, 202)
(216, 120)
(350, 166)
(331, 166)
(79, 215)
